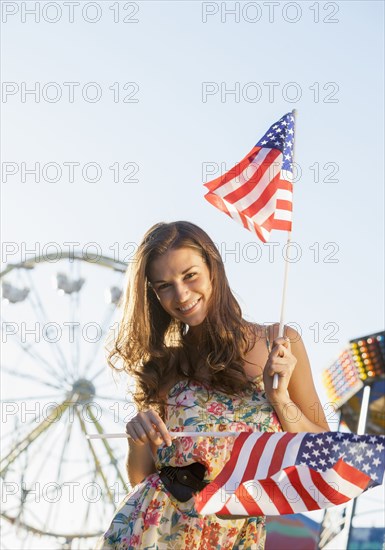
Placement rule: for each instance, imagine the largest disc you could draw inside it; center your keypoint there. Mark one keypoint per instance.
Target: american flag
(258, 191)
(286, 473)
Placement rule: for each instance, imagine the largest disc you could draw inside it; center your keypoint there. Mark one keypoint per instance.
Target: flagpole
(283, 304)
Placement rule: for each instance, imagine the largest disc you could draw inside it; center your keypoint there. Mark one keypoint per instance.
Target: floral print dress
(149, 517)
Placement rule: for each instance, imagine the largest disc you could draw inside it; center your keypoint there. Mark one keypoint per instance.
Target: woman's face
(181, 280)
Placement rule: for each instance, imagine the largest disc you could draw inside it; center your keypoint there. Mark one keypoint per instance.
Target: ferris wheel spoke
(95, 458)
(64, 448)
(47, 456)
(102, 512)
(76, 347)
(99, 372)
(106, 445)
(95, 350)
(109, 383)
(104, 465)
(15, 433)
(58, 473)
(37, 398)
(49, 368)
(74, 305)
(49, 434)
(40, 312)
(113, 399)
(44, 443)
(22, 445)
(30, 377)
(20, 505)
(87, 510)
(24, 499)
(117, 413)
(94, 474)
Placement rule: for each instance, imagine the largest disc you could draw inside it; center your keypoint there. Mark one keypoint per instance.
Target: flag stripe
(333, 479)
(292, 450)
(284, 205)
(279, 454)
(276, 496)
(262, 229)
(255, 184)
(267, 200)
(286, 186)
(350, 473)
(238, 471)
(239, 451)
(253, 171)
(282, 224)
(247, 498)
(287, 176)
(255, 457)
(289, 492)
(295, 480)
(234, 172)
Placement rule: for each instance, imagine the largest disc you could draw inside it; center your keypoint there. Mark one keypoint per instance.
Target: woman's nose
(181, 293)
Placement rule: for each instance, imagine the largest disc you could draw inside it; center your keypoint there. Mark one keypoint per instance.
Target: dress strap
(267, 338)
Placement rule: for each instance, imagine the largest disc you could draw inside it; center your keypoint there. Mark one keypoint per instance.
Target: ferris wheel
(60, 488)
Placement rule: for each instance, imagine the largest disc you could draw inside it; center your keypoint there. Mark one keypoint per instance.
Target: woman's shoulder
(255, 332)
(261, 337)
(257, 353)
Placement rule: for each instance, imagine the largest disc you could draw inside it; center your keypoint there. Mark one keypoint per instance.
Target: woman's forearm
(293, 419)
(140, 463)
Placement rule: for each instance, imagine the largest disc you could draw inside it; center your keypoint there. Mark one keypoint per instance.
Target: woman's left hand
(282, 362)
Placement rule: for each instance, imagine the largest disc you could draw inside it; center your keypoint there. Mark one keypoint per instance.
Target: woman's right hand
(148, 427)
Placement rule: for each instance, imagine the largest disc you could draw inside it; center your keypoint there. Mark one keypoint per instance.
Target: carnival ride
(355, 384)
(57, 313)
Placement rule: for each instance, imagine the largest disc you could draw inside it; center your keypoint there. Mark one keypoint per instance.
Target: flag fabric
(287, 473)
(258, 191)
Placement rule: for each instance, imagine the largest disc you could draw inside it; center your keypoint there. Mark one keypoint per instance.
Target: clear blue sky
(171, 133)
(165, 125)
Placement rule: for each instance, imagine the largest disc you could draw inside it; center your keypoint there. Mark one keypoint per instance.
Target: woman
(198, 366)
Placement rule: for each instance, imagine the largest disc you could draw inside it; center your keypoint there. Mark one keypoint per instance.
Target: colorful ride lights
(341, 379)
(368, 354)
(362, 362)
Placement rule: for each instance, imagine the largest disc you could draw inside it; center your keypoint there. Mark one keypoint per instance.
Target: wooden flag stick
(283, 305)
(172, 434)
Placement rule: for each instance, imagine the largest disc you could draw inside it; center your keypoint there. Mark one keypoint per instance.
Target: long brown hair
(151, 344)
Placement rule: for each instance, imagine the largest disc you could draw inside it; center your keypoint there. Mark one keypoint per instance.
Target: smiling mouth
(190, 307)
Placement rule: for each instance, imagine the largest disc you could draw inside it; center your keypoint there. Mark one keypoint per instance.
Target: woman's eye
(164, 286)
